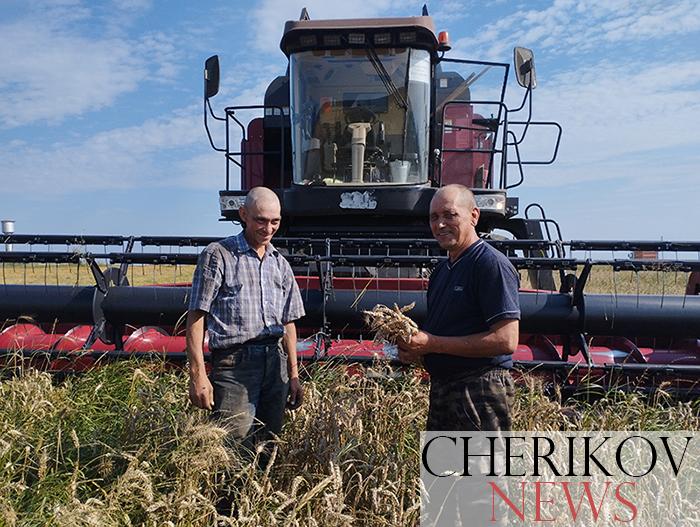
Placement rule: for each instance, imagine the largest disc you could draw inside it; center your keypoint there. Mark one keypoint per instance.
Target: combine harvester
(369, 120)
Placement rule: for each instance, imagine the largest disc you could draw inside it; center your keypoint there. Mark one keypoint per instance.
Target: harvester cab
(369, 121)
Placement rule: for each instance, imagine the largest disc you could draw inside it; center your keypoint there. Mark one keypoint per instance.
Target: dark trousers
(250, 390)
(473, 402)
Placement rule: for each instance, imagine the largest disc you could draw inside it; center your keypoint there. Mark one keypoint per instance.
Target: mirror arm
(207, 104)
(528, 98)
(211, 111)
(529, 117)
(528, 92)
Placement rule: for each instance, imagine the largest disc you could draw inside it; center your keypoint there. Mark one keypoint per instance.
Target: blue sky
(100, 106)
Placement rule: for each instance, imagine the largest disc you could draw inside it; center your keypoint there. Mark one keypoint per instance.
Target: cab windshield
(360, 116)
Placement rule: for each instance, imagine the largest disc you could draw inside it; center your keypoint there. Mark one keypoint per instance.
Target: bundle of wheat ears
(390, 324)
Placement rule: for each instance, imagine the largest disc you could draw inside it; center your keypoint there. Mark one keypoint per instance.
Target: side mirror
(524, 62)
(211, 76)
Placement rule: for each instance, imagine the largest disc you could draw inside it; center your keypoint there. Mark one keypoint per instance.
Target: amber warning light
(444, 41)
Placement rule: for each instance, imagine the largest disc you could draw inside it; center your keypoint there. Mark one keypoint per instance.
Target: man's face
(452, 221)
(261, 222)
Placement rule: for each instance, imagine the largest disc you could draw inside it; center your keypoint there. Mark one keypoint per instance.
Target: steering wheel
(360, 114)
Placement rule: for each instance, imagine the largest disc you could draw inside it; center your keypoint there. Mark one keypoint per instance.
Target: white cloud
(571, 26)
(130, 157)
(56, 69)
(658, 20)
(47, 75)
(163, 152)
(59, 13)
(162, 53)
(616, 114)
(53, 74)
(132, 5)
(117, 16)
(448, 12)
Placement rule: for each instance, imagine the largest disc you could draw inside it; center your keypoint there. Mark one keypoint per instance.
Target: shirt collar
(450, 265)
(243, 247)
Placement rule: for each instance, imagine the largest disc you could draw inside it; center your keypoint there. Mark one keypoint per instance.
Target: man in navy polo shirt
(471, 329)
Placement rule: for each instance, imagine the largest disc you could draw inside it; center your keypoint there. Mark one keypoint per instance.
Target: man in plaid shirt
(246, 292)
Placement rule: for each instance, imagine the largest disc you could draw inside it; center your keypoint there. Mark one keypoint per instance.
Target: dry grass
(602, 280)
(71, 274)
(605, 280)
(122, 446)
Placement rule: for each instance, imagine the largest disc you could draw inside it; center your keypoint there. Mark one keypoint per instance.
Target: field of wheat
(602, 279)
(122, 446)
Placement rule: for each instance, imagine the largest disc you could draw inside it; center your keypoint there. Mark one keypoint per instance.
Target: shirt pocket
(232, 295)
(275, 290)
(276, 279)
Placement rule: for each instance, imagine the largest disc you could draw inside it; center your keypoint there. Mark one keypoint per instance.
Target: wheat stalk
(390, 324)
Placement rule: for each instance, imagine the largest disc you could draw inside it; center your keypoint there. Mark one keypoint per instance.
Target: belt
(268, 341)
(465, 376)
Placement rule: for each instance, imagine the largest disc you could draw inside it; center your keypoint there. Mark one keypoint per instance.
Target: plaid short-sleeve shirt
(245, 297)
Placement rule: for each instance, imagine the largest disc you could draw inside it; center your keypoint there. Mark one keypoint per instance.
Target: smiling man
(471, 328)
(245, 291)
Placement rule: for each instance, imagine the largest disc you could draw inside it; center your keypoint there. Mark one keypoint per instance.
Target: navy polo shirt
(468, 296)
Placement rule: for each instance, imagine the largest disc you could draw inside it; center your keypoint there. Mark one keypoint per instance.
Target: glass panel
(468, 97)
(360, 117)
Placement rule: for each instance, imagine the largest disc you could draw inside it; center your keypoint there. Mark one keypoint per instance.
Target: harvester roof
(417, 31)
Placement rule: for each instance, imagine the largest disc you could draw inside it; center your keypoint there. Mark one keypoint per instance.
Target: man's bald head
(459, 194)
(258, 196)
(261, 214)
